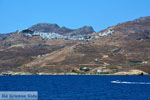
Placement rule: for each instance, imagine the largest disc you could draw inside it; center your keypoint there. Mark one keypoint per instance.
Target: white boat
(117, 81)
(124, 82)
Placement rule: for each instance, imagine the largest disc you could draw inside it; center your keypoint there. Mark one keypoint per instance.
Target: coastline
(130, 72)
(62, 74)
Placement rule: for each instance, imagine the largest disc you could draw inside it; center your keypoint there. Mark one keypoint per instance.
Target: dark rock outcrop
(44, 27)
(82, 31)
(3, 36)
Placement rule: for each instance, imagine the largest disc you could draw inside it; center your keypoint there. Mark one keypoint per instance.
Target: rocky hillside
(50, 49)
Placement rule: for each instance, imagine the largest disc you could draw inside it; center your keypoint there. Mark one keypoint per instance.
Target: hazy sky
(21, 14)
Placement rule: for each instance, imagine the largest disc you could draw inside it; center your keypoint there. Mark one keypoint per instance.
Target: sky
(100, 14)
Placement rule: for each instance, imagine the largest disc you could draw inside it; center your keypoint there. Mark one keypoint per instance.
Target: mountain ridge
(54, 28)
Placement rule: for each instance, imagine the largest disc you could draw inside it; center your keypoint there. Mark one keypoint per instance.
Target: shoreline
(123, 73)
(75, 75)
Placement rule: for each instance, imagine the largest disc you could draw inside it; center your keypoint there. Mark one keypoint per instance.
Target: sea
(80, 87)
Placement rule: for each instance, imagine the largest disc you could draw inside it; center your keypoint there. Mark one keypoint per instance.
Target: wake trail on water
(126, 82)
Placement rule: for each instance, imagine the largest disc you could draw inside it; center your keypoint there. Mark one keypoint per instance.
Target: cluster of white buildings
(49, 36)
(106, 33)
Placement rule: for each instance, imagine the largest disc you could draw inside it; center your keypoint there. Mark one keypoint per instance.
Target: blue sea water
(79, 87)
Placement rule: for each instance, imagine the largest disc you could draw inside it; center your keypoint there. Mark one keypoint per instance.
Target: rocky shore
(130, 72)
